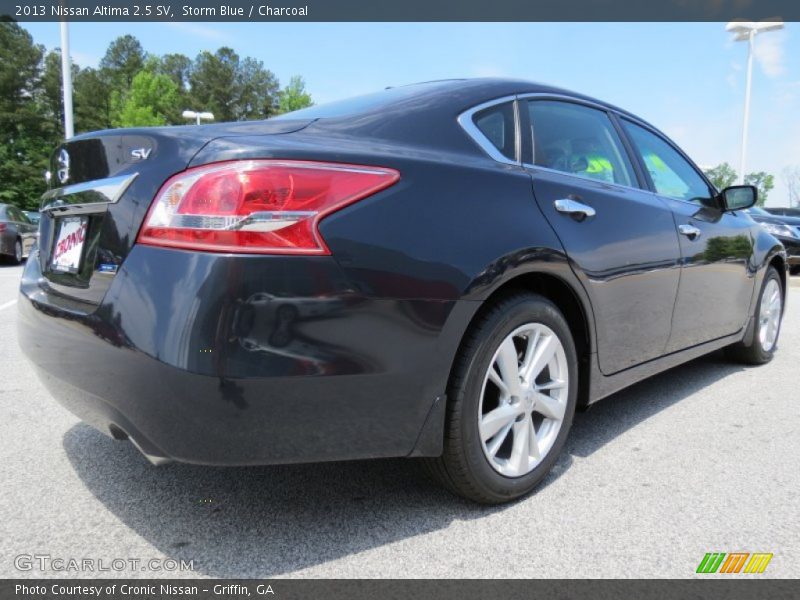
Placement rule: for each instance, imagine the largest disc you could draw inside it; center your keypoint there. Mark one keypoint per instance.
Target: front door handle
(575, 209)
(690, 231)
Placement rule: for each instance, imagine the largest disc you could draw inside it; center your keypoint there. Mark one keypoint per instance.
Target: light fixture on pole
(197, 116)
(747, 31)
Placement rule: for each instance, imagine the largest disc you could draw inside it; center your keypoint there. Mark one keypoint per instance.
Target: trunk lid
(101, 187)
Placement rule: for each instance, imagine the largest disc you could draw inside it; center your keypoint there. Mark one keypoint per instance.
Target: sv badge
(140, 153)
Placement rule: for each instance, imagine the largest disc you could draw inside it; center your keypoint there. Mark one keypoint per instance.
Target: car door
(620, 239)
(716, 284)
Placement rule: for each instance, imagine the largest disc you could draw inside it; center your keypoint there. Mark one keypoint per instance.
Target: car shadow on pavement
(613, 416)
(261, 522)
(257, 522)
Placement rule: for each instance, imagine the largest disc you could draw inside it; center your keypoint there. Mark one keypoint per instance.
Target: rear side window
(672, 175)
(579, 140)
(496, 123)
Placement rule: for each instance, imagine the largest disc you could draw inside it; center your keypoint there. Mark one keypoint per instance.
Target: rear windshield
(358, 104)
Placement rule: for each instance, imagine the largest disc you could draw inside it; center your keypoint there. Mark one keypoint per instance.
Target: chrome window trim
(466, 122)
(465, 119)
(585, 179)
(564, 98)
(517, 133)
(82, 197)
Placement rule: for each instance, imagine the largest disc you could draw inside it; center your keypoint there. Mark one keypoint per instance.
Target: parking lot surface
(703, 458)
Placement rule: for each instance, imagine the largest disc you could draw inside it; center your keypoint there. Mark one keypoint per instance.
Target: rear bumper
(199, 359)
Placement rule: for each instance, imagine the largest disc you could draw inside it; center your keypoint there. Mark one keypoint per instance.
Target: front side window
(579, 140)
(496, 123)
(672, 175)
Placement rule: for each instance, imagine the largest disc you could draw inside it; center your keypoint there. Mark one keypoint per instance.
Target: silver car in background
(17, 234)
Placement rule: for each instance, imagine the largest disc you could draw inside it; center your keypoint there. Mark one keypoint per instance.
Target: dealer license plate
(68, 249)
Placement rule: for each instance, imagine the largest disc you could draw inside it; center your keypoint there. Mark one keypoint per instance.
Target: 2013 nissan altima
(443, 270)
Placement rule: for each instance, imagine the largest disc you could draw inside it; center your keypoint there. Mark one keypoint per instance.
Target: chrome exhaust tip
(153, 460)
(119, 434)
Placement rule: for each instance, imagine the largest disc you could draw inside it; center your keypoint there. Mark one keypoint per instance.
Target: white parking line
(8, 304)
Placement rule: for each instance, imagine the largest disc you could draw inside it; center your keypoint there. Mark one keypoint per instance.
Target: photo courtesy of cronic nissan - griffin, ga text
(445, 270)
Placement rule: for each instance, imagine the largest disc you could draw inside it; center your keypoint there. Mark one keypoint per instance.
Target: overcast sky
(685, 78)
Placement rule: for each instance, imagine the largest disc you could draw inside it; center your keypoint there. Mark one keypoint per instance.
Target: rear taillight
(260, 206)
(2, 227)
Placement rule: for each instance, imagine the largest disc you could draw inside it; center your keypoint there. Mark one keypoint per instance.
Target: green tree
(92, 100)
(124, 58)
(764, 182)
(258, 91)
(177, 67)
(51, 90)
(153, 99)
(26, 138)
(231, 88)
(294, 96)
(90, 96)
(212, 80)
(129, 88)
(722, 175)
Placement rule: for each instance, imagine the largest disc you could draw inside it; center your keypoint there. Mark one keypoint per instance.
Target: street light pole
(747, 30)
(66, 78)
(745, 124)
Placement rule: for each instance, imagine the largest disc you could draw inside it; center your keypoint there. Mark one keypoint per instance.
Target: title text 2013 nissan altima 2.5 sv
(443, 270)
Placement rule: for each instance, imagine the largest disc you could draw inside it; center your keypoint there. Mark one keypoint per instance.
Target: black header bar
(399, 10)
(462, 589)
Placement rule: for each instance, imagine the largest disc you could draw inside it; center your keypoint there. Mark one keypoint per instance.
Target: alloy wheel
(17, 251)
(523, 399)
(770, 315)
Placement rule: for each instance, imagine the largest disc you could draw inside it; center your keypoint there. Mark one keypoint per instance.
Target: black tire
(794, 270)
(16, 258)
(753, 353)
(463, 467)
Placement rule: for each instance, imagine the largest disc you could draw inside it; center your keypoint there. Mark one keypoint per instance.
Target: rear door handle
(690, 231)
(573, 208)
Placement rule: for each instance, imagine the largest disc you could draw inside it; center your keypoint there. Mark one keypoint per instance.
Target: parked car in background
(33, 215)
(17, 233)
(783, 210)
(785, 228)
(444, 270)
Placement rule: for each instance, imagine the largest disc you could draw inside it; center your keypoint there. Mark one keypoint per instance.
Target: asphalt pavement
(703, 458)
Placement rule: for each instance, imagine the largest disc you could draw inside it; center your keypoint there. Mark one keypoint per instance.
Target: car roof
(460, 94)
(484, 88)
(424, 113)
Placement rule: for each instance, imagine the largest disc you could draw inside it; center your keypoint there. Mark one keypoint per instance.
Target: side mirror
(738, 197)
